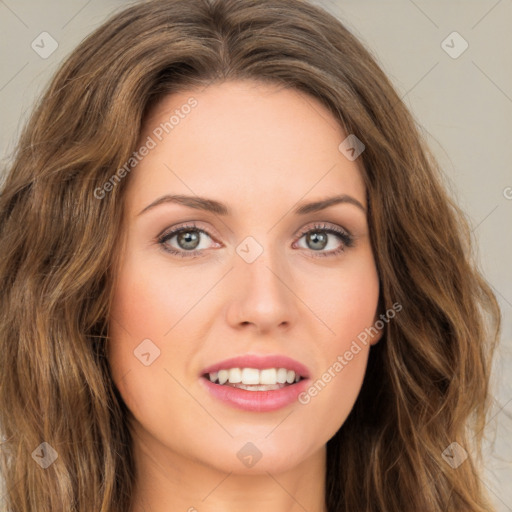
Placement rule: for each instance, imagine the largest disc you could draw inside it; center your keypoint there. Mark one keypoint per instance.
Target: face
(243, 274)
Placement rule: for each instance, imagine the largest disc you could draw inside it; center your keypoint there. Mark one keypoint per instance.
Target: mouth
(254, 379)
(256, 383)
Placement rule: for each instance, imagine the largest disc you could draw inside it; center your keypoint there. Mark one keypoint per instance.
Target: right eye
(187, 241)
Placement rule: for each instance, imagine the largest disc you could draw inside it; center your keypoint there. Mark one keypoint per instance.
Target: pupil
(318, 238)
(188, 239)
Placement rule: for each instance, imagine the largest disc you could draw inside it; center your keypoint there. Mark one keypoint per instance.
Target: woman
(232, 279)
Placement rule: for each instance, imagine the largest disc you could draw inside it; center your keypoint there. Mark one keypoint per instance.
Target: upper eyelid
(321, 225)
(316, 225)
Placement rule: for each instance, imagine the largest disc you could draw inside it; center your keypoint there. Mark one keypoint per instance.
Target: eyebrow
(213, 206)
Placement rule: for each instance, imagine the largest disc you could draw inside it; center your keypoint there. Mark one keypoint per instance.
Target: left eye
(320, 239)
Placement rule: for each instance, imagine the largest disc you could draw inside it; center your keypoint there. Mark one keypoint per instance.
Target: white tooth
(281, 375)
(268, 376)
(290, 376)
(250, 376)
(235, 375)
(253, 377)
(259, 387)
(223, 376)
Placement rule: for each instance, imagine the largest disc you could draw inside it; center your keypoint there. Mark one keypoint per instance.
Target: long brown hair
(427, 381)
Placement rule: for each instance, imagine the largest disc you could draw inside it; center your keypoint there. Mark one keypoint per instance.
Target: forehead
(245, 143)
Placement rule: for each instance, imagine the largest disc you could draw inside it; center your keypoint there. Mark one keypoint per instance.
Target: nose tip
(261, 298)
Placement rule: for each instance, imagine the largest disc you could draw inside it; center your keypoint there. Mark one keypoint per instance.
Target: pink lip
(256, 401)
(260, 363)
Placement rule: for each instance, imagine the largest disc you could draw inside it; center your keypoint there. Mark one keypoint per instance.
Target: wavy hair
(428, 380)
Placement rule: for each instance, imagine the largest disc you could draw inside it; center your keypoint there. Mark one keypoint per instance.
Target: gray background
(463, 104)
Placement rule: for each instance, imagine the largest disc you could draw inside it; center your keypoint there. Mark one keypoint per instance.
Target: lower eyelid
(344, 237)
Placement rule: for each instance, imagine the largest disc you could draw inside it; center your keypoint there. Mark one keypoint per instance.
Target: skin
(261, 150)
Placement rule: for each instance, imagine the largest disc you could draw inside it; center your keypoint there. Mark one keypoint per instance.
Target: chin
(258, 456)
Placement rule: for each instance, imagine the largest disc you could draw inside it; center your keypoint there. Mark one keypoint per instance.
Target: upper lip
(259, 362)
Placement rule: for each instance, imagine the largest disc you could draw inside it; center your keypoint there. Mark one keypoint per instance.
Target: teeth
(281, 375)
(254, 377)
(248, 376)
(268, 376)
(223, 376)
(235, 375)
(258, 387)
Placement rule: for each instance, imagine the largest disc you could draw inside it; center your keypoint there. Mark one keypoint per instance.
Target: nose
(262, 295)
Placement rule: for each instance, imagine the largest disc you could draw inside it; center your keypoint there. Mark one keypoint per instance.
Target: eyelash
(345, 237)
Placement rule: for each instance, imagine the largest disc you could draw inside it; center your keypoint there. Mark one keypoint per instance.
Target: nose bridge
(262, 278)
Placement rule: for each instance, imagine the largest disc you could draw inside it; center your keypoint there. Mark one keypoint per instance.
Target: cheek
(335, 387)
(348, 301)
(144, 302)
(144, 310)
(147, 366)
(331, 396)
(349, 306)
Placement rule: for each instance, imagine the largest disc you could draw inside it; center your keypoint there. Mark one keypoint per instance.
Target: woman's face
(248, 276)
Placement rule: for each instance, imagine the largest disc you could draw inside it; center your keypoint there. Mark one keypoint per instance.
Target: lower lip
(257, 401)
